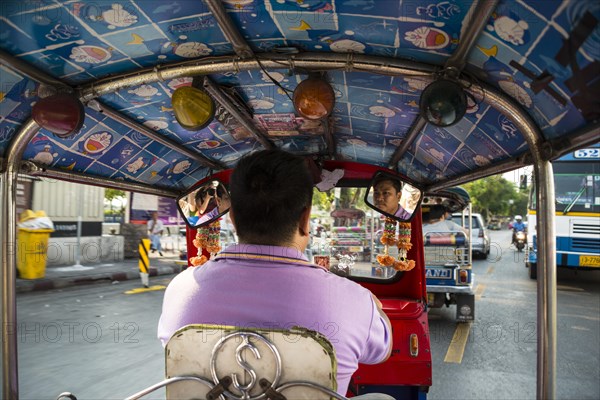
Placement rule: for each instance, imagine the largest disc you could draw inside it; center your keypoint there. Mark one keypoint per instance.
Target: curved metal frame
(245, 390)
(541, 154)
(167, 382)
(376, 65)
(10, 378)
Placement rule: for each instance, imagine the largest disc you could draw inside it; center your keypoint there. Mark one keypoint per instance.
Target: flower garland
(207, 237)
(402, 242)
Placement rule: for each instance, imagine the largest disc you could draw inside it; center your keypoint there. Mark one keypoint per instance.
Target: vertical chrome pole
(10, 378)
(546, 282)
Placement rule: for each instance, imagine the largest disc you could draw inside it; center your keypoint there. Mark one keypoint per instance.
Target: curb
(24, 285)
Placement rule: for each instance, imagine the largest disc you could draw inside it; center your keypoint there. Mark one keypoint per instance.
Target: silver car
(479, 236)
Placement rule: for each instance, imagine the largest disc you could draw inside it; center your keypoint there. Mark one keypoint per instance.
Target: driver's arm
(388, 324)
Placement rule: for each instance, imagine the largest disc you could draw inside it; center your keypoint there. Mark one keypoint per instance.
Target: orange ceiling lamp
(314, 98)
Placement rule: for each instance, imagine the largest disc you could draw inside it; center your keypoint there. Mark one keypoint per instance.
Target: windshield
(576, 187)
(577, 192)
(459, 220)
(345, 234)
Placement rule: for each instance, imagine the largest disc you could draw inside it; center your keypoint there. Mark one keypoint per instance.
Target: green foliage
(492, 196)
(323, 200)
(114, 194)
(111, 194)
(520, 204)
(348, 198)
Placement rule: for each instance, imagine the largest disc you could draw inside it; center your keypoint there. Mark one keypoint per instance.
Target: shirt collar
(275, 254)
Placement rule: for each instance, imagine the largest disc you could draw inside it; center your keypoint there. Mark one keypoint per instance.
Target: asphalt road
(499, 358)
(99, 343)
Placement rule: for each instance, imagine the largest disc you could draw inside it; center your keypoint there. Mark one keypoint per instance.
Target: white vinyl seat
(208, 361)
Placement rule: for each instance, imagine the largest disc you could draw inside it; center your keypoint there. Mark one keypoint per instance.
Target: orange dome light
(193, 108)
(314, 98)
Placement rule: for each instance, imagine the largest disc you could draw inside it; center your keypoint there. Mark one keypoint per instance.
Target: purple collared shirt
(276, 287)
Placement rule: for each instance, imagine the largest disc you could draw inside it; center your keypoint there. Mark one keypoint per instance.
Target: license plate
(440, 273)
(589, 261)
(355, 249)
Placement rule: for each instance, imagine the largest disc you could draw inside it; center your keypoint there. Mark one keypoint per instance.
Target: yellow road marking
(148, 289)
(569, 288)
(479, 291)
(457, 345)
(490, 270)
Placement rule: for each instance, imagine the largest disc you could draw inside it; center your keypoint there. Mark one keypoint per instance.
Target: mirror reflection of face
(386, 196)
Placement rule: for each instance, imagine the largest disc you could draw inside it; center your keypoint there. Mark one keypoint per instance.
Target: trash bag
(35, 220)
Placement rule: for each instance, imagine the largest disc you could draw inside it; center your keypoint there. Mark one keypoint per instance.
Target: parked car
(480, 240)
(494, 224)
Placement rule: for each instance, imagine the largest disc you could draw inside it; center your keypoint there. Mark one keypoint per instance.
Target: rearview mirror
(204, 204)
(389, 195)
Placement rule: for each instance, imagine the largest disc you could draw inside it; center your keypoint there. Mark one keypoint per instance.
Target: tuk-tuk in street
(447, 252)
(166, 97)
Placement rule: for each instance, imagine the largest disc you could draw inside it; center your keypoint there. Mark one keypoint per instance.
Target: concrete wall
(62, 200)
(108, 248)
(107, 227)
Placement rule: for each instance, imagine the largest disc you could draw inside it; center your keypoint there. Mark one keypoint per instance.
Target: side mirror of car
(204, 204)
(392, 196)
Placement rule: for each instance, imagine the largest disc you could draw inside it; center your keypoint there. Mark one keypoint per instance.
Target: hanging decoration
(402, 242)
(207, 238)
(404, 245)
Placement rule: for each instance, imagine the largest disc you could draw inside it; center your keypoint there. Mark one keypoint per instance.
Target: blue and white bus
(577, 198)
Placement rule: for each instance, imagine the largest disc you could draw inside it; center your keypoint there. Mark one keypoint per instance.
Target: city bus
(577, 199)
(158, 97)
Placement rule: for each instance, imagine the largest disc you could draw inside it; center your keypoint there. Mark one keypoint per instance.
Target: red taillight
(463, 276)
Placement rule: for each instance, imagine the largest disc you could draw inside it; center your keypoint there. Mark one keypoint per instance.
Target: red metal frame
(404, 301)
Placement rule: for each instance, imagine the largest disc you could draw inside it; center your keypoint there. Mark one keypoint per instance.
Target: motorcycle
(519, 240)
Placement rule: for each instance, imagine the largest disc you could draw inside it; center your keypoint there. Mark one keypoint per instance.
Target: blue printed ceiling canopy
(543, 54)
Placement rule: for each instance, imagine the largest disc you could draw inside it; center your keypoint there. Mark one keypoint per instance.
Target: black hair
(201, 194)
(395, 182)
(436, 211)
(269, 190)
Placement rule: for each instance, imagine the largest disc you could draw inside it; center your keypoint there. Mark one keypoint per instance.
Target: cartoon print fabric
(546, 58)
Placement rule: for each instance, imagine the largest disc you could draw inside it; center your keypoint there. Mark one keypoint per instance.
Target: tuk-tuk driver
(266, 280)
(387, 193)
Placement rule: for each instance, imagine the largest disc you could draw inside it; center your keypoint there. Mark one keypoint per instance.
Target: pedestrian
(155, 228)
(267, 281)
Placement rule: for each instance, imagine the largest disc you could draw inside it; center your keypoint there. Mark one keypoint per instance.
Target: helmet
(518, 217)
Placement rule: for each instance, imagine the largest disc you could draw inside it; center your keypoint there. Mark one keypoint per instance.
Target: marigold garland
(207, 237)
(402, 242)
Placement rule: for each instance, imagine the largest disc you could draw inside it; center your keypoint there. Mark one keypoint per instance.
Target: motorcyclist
(517, 226)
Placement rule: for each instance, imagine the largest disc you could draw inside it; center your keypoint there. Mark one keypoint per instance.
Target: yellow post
(144, 261)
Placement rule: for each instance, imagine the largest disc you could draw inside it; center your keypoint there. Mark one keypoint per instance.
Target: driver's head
(437, 212)
(518, 218)
(387, 193)
(270, 190)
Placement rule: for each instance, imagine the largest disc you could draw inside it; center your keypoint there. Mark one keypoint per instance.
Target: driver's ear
(231, 217)
(304, 225)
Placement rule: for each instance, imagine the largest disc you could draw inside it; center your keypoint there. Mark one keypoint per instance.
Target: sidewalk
(63, 276)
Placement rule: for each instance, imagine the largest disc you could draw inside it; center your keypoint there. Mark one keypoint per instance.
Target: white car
(479, 236)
